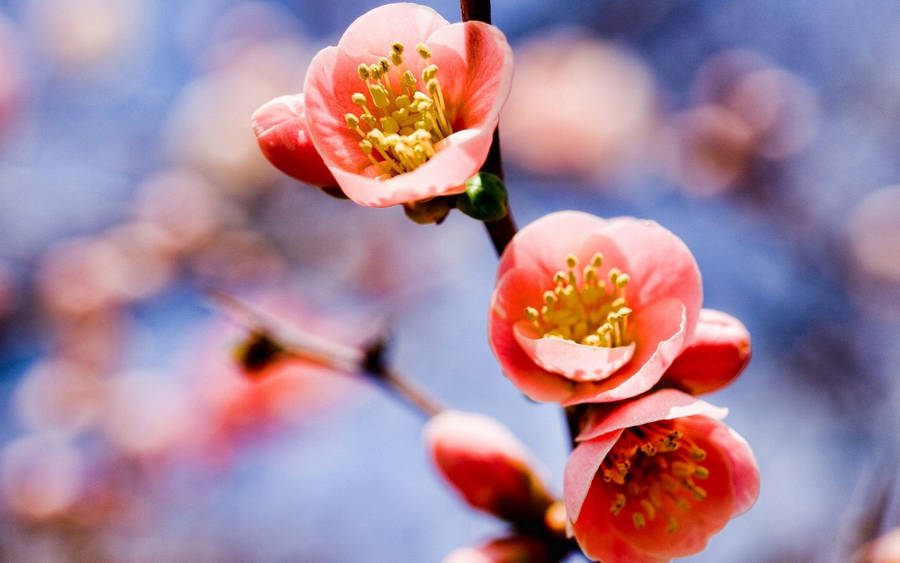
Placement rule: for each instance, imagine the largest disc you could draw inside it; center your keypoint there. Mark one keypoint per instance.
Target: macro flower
(717, 353)
(280, 128)
(405, 106)
(592, 310)
(653, 478)
(485, 463)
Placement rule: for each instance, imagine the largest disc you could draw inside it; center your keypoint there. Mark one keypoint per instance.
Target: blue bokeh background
(351, 482)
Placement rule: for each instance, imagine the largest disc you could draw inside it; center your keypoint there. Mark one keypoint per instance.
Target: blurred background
(762, 132)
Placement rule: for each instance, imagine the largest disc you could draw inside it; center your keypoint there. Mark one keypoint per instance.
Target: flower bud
(485, 197)
(487, 466)
(281, 131)
(715, 356)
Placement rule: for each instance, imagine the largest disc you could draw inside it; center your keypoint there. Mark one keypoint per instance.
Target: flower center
(592, 313)
(653, 467)
(400, 123)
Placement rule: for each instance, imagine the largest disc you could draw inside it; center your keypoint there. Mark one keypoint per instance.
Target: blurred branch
(270, 340)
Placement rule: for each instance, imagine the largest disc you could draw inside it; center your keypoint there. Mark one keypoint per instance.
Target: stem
(272, 340)
(408, 391)
(502, 230)
(477, 10)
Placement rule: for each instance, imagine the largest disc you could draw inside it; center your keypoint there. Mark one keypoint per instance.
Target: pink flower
(404, 107)
(487, 466)
(717, 353)
(655, 477)
(883, 549)
(280, 128)
(592, 310)
(512, 549)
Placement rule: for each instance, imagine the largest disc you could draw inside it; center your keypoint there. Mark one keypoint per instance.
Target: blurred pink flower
(654, 478)
(485, 463)
(512, 549)
(396, 125)
(716, 354)
(283, 136)
(600, 110)
(234, 404)
(883, 549)
(610, 336)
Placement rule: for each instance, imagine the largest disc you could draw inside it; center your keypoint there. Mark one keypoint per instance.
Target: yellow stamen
(653, 465)
(586, 313)
(406, 123)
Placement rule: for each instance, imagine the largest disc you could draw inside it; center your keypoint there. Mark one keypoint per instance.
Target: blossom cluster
(601, 316)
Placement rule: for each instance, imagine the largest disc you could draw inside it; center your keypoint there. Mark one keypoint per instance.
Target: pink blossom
(280, 128)
(592, 310)
(717, 353)
(512, 549)
(655, 477)
(883, 549)
(405, 106)
(487, 465)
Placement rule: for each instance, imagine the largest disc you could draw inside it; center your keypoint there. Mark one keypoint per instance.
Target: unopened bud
(490, 469)
(485, 197)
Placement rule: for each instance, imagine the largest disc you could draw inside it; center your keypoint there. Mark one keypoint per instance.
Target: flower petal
(704, 518)
(659, 334)
(280, 128)
(717, 354)
(660, 265)
(583, 464)
(744, 470)
(578, 362)
(515, 291)
(476, 65)
(544, 244)
(666, 404)
(371, 34)
(599, 539)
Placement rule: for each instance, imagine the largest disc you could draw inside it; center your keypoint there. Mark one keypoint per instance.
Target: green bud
(485, 197)
(429, 211)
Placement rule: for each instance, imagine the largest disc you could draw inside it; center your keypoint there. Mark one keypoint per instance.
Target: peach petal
(582, 466)
(659, 336)
(478, 64)
(600, 540)
(660, 265)
(371, 34)
(544, 244)
(516, 290)
(718, 352)
(704, 518)
(744, 469)
(280, 128)
(666, 404)
(578, 362)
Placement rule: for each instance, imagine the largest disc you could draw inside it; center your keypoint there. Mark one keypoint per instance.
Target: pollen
(402, 116)
(652, 470)
(587, 311)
